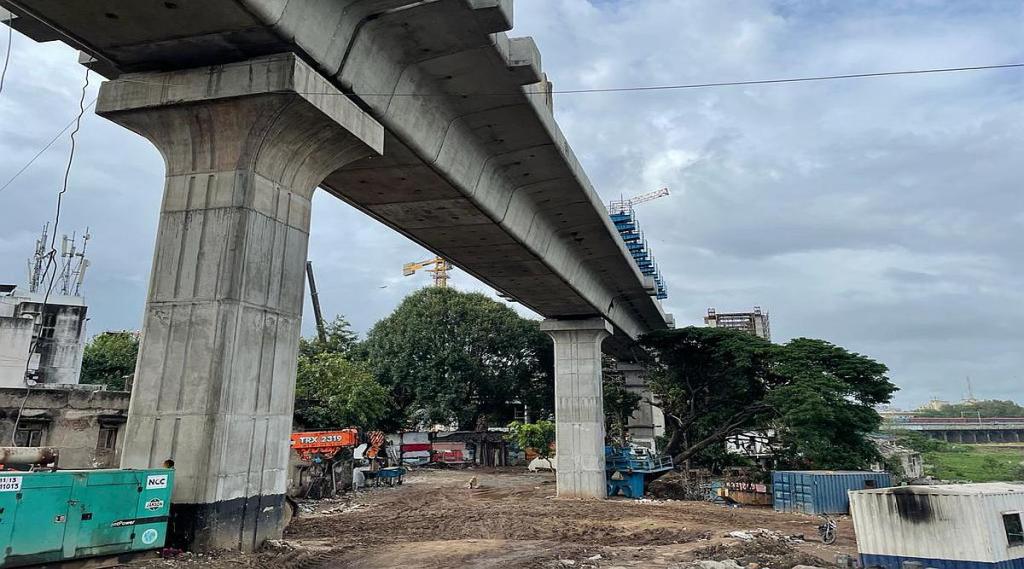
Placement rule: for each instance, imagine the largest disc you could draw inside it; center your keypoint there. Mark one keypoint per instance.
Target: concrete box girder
(472, 160)
(431, 213)
(410, 64)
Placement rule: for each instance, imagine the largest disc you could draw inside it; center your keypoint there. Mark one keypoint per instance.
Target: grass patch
(977, 463)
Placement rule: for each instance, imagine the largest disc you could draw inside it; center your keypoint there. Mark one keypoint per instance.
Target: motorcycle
(827, 530)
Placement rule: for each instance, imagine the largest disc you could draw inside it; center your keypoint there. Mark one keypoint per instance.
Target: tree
(459, 359)
(818, 398)
(340, 339)
(824, 403)
(109, 359)
(920, 442)
(538, 436)
(989, 408)
(332, 392)
(711, 383)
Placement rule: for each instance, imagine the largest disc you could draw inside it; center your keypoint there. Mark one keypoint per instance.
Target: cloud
(881, 214)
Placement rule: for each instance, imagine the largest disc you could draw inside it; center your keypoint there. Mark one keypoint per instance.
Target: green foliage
(976, 463)
(538, 436)
(990, 408)
(920, 442)
(712, 383)
(458, 358)
(109, 359)
(332, 392)
(824, 403)
(818, 398)
(340, 339)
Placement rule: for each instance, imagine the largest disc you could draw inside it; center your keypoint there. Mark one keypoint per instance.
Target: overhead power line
(75, 121)
(636, 88)
(640, 88)
(791, 80)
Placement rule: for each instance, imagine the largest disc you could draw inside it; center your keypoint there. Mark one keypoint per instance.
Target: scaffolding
(624, 218)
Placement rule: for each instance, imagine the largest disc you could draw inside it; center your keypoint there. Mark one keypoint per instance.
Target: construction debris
(514, 521)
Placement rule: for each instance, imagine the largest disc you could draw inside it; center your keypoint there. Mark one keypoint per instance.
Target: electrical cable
(7, 54)
(791, 80)
(578, 91)
(51, 255)
(639, 88)
(55, 138)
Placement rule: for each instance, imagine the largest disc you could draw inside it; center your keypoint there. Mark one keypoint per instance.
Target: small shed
(961, 526)
(821, 491)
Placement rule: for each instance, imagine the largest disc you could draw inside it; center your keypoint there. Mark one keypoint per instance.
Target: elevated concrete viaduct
(966, 430)
(422, 114)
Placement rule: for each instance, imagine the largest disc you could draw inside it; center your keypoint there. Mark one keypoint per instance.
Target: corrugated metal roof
(963, 526)
(981, 489)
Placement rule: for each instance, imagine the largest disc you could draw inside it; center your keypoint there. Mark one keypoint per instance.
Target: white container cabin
(957, 526)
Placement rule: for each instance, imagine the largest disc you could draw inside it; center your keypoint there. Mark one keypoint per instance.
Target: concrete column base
(245, 145)
(579, 406)
(641, 424)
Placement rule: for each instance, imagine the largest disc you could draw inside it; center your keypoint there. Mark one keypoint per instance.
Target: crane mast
(440, 269)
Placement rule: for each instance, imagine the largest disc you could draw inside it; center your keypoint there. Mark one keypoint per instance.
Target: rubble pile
(758, 549)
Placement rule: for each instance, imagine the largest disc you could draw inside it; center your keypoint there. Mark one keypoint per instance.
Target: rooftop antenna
(36, 263)
(71, 271)
(77, 275)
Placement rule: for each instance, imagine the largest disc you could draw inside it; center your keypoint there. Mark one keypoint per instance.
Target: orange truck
(325, 443)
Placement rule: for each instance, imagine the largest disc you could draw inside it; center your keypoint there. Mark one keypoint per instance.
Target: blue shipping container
(821, 491)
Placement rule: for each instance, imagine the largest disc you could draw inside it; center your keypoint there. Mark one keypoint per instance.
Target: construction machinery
(323, 444)
(440, 269)
(323, 450)
(623, 216)
(56, 516)
(630, 469)
(321, 330)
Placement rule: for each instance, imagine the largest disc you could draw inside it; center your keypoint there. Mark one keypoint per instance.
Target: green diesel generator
(48, 517)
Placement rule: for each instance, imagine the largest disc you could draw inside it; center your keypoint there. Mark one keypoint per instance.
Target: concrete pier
(245, 145)
(647, 422)
(579, 406)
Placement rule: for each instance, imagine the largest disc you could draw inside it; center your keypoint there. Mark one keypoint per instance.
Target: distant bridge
(967, 430)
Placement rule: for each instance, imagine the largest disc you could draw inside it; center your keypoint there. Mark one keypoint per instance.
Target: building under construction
(755, 323)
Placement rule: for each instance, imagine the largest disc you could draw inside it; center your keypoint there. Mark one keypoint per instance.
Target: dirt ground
(514, 521)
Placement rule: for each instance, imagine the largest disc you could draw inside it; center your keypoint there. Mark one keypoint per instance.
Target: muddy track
(513, 521)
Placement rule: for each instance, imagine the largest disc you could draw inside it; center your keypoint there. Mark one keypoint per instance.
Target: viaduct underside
(424, 115)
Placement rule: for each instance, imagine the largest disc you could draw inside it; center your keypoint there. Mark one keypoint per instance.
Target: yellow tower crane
(440, 270)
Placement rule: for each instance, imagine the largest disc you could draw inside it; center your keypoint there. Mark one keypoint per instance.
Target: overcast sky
(884, 215)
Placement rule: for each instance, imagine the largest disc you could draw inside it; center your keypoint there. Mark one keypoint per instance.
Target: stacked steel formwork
(624, 218)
